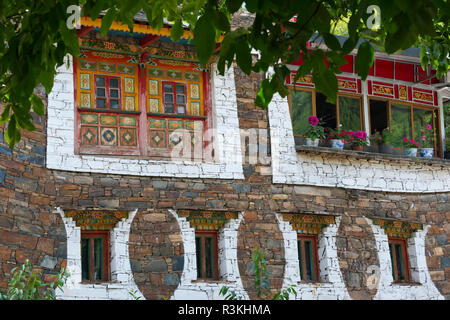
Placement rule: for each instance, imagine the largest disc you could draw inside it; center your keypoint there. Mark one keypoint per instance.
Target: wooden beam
(149, 39)
(84, 30)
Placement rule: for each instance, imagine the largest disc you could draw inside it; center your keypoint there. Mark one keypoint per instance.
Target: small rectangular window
(95, 256)
(207, 254)
(107, 92)
(399, 259)
(307, 256)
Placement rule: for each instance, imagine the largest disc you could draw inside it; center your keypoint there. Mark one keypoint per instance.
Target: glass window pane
(180, 89)
(378, 116)
(198, 250)
(423, 118)
(168, 98)
(101, 92)
(98, 259)
(114, 104)
(209, 261)
(400, 263)
(114, 83)
(326, 111)
(350, 113)
(180, 98)
(308, 261)
(85, 258)
(301, 110)
(114, 93)
(168, 108)
(300, 258)
(168, 87)
(101, 103)
(392, 262)
(400, 124)
(100, 81)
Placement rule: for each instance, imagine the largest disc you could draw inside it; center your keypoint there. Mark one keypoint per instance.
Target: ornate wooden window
(399, 259)
(95, 256)
(207, 254)
(347, 113)
(307, 256)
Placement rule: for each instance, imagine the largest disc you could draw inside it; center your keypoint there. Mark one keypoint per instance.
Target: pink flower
(313, 120)
(379, 138)
(423, 138)
(405, 139)
(360, 135)
(429, 127)
(413, 142)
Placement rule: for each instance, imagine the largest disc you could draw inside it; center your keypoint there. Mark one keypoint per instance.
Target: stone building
(152, 174)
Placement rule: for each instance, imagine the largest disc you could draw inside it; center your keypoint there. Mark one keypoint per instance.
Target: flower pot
(358, 147)
(312, 143)
(336, 144)
(411, 152)
(386, 148)
(427, 152)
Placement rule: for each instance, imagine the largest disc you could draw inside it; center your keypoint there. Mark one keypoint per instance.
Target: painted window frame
(107, 92)
(314, 263)
(314, 105)
(201, 271)
(91, 235)
(412, 106)
(392, 241)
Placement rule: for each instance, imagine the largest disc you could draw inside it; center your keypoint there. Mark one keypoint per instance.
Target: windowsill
(108, 111)
(405, 284)
(212, 281)
(369, 155)
(313, 283)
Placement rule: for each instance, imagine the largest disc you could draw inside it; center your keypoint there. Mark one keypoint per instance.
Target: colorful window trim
(206, 249)
(95, 256)
(399, 259)
(403, 119)
(114, 118)
(347, 113)
(308, 257)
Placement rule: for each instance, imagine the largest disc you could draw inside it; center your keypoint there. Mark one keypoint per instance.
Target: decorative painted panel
(308, 223)
(107, 67)
(400, 229)
(85, 81)
(129, 85)
(108, 136)
(154, 105)
(153, 87)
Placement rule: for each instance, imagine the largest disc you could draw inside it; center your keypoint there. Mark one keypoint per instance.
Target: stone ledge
(371, 155)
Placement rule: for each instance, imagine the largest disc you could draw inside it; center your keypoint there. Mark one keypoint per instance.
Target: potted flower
(410, 147)
(427, 150)
(336, 139)
(358, 140)
(314, 132)
(385, 143)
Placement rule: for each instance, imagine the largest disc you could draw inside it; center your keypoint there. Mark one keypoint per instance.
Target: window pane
(308, 261)
(300, 259)
(209, 261)
(198, 250)
(301, 110)
(392, 262)
(114, 93)
(180, 98)
(101, 92)
(168, 108)
(400, 263)
(326, 111)
(101, 103)
(114, 83)
(422, 118)
(168, 98)
(180, 89)
(350, 113)
(85, 258)
(114, 104)
(180, 109)
(400, 124)
(378, 116)
(100, 81)
(168, 87)
(98, 259)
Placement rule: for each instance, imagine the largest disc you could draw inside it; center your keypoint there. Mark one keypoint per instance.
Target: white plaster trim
(387, 290)
(290, 167)
(60, 136)
(331, 285)
(188, 289)
(122, 281)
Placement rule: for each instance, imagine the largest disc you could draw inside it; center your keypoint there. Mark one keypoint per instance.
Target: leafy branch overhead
(35, 39)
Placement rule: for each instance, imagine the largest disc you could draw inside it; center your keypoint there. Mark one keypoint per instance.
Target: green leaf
(204, 38)
(221, 21)
(234, 5)
(177, 30)
(107, 20)
(331, 41)
(243, 57)
(38, 105)
(364, 59)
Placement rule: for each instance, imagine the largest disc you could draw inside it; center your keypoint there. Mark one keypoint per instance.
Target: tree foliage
(35, 39)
